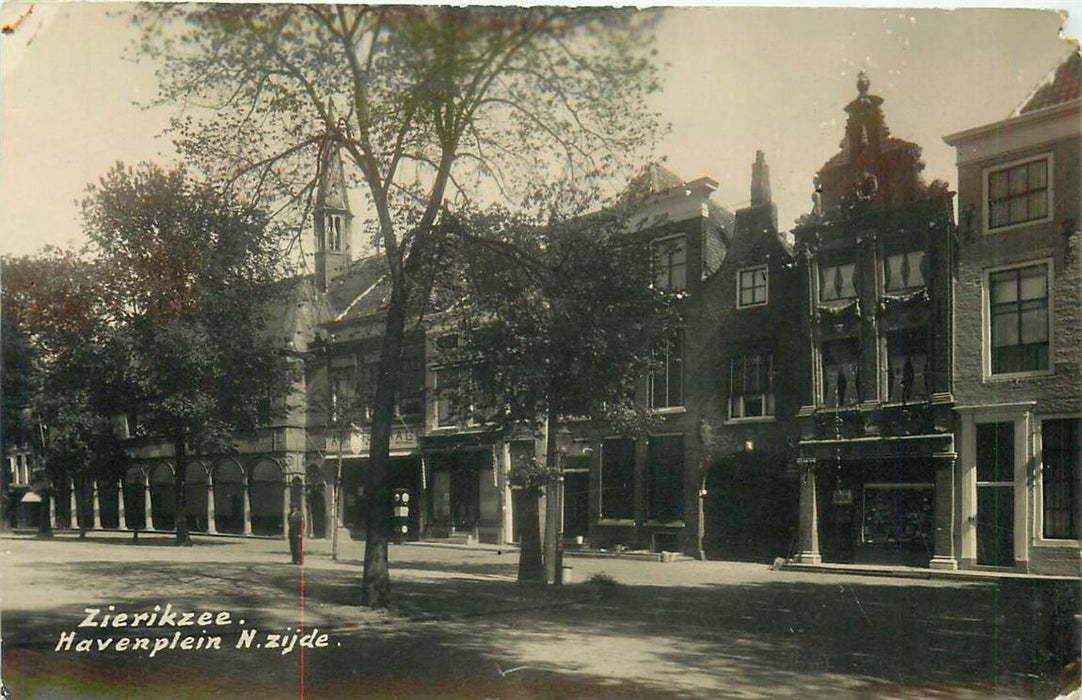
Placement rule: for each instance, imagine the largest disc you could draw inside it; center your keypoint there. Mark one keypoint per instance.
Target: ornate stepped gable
(873, 170)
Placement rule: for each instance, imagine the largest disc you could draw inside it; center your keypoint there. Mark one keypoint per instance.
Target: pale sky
(738, 79)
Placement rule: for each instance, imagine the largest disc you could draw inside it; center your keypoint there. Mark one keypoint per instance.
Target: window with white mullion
(1019, 315)
(1018, 193)
(751, 390)
(1061, 472)
(752, 287)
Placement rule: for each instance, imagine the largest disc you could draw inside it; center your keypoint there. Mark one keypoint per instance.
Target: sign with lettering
(402, 438)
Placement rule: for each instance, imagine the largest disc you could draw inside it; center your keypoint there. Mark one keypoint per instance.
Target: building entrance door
(465, 497)
(995, 494)
(576, 503)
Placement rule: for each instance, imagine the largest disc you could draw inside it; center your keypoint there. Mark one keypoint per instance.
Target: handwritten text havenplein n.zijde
(165, 628)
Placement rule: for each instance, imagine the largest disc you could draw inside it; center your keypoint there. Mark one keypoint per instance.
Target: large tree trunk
(7, 503)
(552, 501)
(45, 523)
(180, 519)
(531, 567)
(376, 585)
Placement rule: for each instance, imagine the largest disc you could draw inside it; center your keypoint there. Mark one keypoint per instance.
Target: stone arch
(266, 482)
(108, 506)
(163, 500)
(749, 508)
(135, 498)
(229, 496)
(195, 495)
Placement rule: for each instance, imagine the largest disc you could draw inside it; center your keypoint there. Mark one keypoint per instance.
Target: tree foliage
(556, 318)
(432, 106)
(189, 281)
(60, 366)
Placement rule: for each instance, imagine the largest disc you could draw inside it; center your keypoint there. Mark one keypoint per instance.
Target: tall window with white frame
(670, 263)
(1061, 467)
(751, 386)
(1019, 315)
(1018, 193)
(667, 382)
(751, 287)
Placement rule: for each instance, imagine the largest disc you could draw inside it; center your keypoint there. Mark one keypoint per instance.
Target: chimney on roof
(760, 181)
(761, 214)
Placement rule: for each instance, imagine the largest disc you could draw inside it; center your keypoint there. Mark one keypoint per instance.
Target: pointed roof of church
(1059, 86)
(331, 192)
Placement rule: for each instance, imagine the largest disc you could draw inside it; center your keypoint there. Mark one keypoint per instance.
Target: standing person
(296, 533)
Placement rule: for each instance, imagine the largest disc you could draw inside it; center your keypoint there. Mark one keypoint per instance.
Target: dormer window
(903, 272)
(837, 282)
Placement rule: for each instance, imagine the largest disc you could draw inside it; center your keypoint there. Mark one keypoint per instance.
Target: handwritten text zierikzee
(165, 628)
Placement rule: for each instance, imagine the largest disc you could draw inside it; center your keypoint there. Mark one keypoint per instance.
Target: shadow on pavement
(454, 636)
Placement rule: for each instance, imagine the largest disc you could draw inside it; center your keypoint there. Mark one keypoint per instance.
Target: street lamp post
(563, 439)
(337, 499)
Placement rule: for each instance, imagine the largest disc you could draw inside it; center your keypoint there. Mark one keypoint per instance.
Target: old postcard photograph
(431, 351)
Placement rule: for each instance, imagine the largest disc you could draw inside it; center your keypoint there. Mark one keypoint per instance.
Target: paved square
(461, 627)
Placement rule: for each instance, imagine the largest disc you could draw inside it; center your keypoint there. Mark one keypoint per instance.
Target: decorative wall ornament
(867, 186)
(908, 307)
(843, 318)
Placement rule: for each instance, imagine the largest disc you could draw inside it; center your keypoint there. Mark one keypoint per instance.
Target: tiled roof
(1059, 86)
(355, 291)
(293, 316)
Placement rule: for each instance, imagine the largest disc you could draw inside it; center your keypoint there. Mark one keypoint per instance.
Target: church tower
(333, 224)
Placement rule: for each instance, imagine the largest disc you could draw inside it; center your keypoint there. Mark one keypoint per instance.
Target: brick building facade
(882, 384)
(1018, 382)
(747, 379)
(876, 444)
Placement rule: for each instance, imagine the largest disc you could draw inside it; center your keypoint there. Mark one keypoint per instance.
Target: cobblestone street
(461, 627)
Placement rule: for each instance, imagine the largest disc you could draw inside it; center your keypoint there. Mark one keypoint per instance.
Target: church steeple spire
(332, 218)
